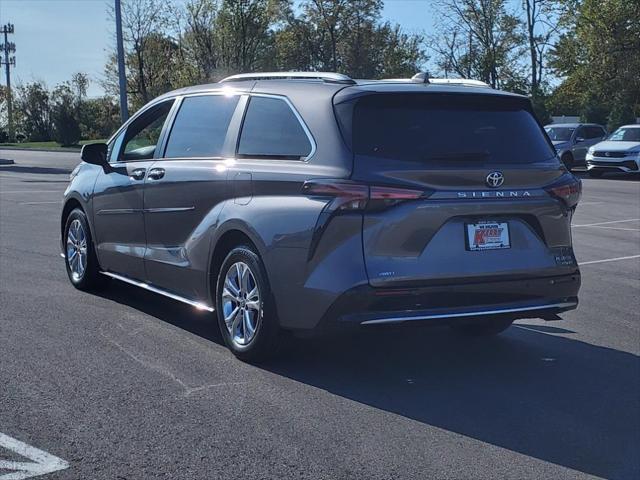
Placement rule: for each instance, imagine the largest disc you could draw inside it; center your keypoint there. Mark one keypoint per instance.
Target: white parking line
(609, 260)
(590, 203)
(37, 203)
(41, 462)
(617, 228)
(607, 223)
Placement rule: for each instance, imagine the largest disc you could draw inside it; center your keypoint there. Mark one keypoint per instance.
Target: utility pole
(8, 62)
(122, 75)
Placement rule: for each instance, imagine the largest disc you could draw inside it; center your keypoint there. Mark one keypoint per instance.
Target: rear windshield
(447, 128)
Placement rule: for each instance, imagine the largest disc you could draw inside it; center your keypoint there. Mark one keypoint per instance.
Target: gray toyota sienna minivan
(309, 201)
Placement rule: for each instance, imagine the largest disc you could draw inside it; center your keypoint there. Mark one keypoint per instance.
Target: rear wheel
(482, 328)
(80, 257)
(244, 307)
(567, 159)
(595, 173)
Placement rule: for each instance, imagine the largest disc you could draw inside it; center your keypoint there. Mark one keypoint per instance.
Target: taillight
(357, 196)
(346, 195)
(568, 189)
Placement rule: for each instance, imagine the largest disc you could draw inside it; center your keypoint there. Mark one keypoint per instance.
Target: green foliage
(539, 102)
(599, 56)
(33, 108)
(210, 39)
(64, 116)
(99, 117)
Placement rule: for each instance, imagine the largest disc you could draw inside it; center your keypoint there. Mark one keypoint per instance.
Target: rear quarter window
(200, 127)
(272, 130)
(430, 128)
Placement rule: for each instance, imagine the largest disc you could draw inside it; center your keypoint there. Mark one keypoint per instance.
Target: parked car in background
(305, 200)
(572, 140)
(618, 153)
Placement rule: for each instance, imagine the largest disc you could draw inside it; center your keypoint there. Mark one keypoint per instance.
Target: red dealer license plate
(488, 236)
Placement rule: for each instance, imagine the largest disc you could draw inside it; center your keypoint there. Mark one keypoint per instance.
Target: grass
(48, 145)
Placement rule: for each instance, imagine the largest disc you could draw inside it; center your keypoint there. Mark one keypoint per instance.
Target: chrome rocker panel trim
(173, 296)
(479, 313)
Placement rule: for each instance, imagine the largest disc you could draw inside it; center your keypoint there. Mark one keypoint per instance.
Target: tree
(348, 37)
(99, 118)
(599, 59)
(541, 21)
(32, 101)
(199, 40)
(244, 37)
(143, 22)
(480, 39)
(64, 115)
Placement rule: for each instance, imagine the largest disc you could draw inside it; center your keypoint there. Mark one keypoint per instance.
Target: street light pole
(122, 77)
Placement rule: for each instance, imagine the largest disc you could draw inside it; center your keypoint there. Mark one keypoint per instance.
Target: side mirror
(94, 153)
(580, 139)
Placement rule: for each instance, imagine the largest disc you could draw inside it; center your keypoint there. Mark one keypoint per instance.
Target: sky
(57, 38)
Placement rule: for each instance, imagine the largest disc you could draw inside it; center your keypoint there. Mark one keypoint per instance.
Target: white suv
(618, 153)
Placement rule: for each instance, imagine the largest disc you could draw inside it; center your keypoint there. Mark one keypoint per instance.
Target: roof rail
(422, 77)
(326, 76)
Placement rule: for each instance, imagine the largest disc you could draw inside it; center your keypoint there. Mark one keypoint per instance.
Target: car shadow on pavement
(528, 390)
(553, 398)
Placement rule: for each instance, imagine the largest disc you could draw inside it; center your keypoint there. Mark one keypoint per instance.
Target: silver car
(572, 140)
(619, 153)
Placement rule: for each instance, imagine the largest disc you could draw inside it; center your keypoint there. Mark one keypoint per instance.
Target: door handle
(156, 173)
(137, 174)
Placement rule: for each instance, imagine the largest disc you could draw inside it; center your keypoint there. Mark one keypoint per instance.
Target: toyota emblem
(495, 179)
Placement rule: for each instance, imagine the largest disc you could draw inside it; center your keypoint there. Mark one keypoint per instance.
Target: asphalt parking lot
(129, 385)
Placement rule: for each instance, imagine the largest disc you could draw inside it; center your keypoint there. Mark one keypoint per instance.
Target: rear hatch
(479, 190)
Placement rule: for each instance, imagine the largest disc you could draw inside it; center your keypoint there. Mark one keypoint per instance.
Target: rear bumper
(515, 298)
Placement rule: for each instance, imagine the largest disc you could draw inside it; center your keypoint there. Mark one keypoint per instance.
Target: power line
(8, 62)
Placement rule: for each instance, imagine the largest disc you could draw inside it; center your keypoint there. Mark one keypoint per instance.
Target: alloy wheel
(241, 305)
(77, 250)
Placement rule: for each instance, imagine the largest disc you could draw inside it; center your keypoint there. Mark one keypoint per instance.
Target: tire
(252, 334)
(483, 328)
(595, 173)
(567, 159)
(83, 268)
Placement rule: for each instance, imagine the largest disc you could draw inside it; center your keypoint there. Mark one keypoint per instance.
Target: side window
(143, 134)
(201, 126)
(271, 129)
(581, 133)
(595, 132)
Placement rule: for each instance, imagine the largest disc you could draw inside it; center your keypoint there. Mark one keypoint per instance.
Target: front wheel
(244, 307)
(481, 328)
(81, 260)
